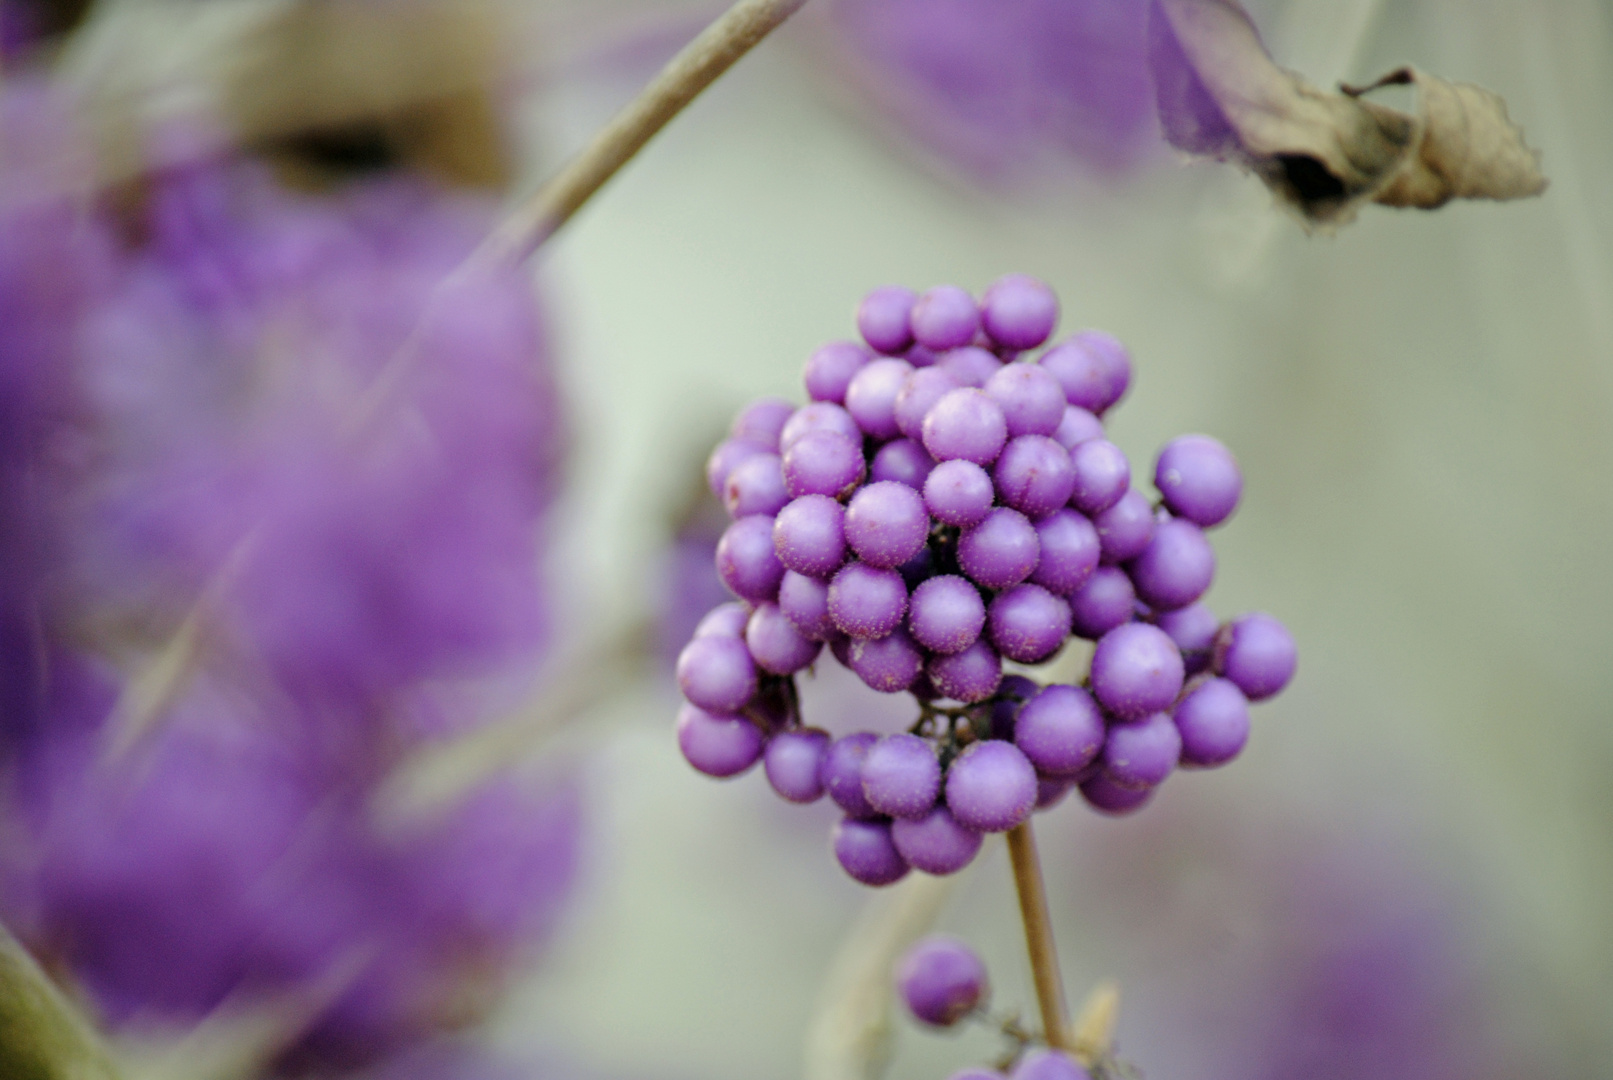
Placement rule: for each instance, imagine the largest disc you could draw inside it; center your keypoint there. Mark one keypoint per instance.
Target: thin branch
(688, 73)
(1039, 935)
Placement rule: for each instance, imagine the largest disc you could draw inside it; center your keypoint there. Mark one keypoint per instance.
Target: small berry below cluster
(942, 981)
(947, 502)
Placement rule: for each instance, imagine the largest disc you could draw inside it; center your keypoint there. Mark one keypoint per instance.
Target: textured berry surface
(867, 853)
(936, 843)
(1213, 721)
(941, 980)
(1198, 479)
(991, 786)
(1136, 670)
(1256, 652)
(945, 503)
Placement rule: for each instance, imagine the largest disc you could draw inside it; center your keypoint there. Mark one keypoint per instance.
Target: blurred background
(338, 608)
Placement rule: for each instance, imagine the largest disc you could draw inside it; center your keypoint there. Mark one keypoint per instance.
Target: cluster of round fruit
(942, 981)
(942, 505)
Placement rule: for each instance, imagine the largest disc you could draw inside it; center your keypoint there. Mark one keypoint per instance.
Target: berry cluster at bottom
(943, 504)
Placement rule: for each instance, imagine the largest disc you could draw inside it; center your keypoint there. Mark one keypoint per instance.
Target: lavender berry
(1257, 654)
(991, 786)
(941, 980)
(793, 762)
(866, 852)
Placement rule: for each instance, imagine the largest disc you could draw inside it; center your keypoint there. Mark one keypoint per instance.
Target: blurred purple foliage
(1001, 88)
(292, 411)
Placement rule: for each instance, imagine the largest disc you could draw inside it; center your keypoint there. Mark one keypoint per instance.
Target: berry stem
(1039, 934)
(699, 63)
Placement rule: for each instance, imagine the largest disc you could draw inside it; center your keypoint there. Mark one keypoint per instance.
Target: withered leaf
(1221, 95)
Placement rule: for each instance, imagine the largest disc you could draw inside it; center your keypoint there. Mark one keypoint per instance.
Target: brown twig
(1039, 935)
(684, 77)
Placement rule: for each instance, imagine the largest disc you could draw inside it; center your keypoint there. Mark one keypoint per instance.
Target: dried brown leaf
(1469, 149)
(1221, 95)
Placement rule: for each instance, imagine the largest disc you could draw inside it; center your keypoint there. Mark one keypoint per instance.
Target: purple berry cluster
(947, 502)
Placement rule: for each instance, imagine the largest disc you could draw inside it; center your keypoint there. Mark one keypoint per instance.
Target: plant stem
(684, 77)
(1039, 935)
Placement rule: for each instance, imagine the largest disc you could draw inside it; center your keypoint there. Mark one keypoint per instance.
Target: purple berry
(918, 396)
(1102, 476)
(1193, 628)
(1199, 479)
(1142, 753)
(717, 745)
(941, 980)
(822, 463)
(883, 318)
(972, 674)
(1032, 400)
(761, 421)
(746, 561)
(841, 773)
(1069, 552)
(871, 397)
(809, 535)
(1213, 719)
(1000, 551)
(755, 486)
(902, 776)
(829, 370)
(1018, 311)
(1034, 474)
(1175, 568)
(1136, 670)
(1257, 653)
(865, 851)
(724, 620)
(867, 601)
(904, 461)
(1125, 528)
(1027, 623)
(1093, 368)
(1106, 601)
(805, 602)
(818, 416)
(965, 424)
(970, 365)
(793, 761)
(991, 786)
(959, 493)
(727, 457)
(1060, 730)
(775, 644)
(886, 523)
(889, 664)
(1076, 427)
(717, 673)
(1048, 1065)
(936, 843)
(945, 614)
(945, 317)
(1108, 797)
